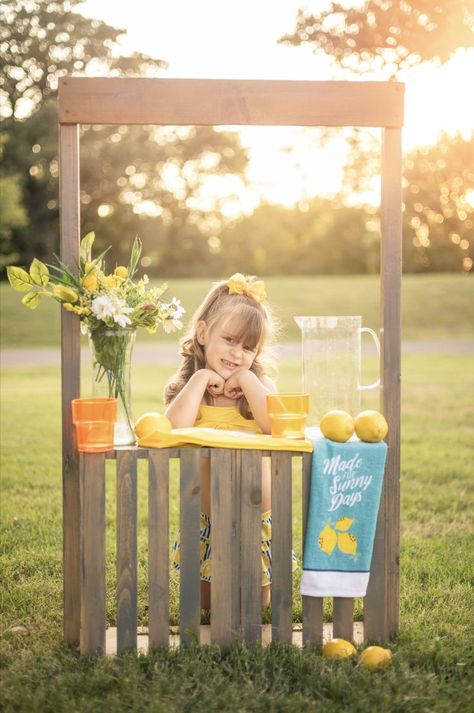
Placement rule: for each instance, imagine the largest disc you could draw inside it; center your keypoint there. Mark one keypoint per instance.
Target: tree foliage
(43, 41)
(387, 35)
(439, 206)
(145, 180)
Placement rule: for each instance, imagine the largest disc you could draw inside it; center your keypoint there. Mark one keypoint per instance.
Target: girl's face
(225, 352)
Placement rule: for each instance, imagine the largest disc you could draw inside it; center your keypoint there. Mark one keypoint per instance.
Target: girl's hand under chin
(215, 384)
(232, 387)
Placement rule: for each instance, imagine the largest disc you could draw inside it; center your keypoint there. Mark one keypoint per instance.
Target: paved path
(166, 355)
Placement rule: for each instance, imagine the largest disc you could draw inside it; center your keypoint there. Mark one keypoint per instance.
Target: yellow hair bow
(239, 285)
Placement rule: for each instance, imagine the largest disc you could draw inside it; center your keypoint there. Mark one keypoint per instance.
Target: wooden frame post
(70, 382)
(83, 100)
(383, 594)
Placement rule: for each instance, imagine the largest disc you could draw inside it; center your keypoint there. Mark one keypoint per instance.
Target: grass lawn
(433, 660)
(439, 306)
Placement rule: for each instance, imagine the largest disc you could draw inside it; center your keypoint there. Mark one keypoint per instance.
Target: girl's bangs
(246, 324)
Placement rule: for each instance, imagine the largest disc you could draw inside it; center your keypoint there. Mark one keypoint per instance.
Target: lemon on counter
(374, 657)
(150, 422)
(338, 649)
(371, 426)
(337, 425)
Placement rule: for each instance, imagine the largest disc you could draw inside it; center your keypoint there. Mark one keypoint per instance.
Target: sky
(238, 40)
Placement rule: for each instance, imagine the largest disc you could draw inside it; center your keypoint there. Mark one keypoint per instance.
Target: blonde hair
(255, 324)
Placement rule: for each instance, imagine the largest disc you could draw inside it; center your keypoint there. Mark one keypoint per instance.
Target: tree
(439, 206)
(387, 35)
(144, 180)
(320, 237)
(43, 41)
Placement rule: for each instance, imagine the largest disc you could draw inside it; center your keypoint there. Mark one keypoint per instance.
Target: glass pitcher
(331, 356)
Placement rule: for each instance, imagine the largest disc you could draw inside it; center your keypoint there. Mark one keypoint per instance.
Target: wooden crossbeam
(135, 100)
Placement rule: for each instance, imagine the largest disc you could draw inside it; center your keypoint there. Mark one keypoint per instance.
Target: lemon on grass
(374, 657)
(337, 425)
(371, 426)
(150, 422)
(338, 649)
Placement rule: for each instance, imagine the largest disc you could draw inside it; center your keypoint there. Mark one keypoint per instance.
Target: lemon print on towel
(339, 536)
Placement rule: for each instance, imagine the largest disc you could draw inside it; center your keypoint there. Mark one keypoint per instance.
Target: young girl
(222, 384)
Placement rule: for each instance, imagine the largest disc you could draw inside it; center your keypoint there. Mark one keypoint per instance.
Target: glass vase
(111, 351)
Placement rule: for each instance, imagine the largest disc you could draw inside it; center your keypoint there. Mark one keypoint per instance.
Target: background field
(433, 664)
(439, 306)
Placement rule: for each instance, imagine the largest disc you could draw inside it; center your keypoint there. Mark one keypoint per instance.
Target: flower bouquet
(110, 308)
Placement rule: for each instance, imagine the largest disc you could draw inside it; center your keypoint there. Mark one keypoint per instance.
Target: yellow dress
(228, 418)
(225, 418)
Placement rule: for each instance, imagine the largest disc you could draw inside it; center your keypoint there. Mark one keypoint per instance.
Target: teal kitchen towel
(346, 483)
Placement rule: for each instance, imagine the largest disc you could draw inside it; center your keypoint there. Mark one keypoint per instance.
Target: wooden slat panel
(158, 548)
(190, 599)
(312, 606)
(282, 611)
(223, 101)
(382, 603)
(139, 452)
(70, 382)
(223, 546)
(126, 551)
(92, 637)
(343, 618)
(251, 526)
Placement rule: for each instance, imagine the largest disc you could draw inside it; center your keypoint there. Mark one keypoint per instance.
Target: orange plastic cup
(94, 420)
(94, 410)
(288, 413)
(95, 436)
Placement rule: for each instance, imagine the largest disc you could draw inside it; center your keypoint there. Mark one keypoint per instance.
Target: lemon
(343, 523)
(371, 426)
(150, 422)
(347, 543)
(374, 657)
(327, 539)
(337, 425)
(338, 649)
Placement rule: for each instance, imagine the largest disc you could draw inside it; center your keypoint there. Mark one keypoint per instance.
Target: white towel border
(326, 583)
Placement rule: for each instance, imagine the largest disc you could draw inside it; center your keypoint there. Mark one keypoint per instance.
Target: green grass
(439, 306)
(433, 660)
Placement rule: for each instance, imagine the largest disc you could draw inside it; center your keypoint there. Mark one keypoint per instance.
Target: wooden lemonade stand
(235, 474)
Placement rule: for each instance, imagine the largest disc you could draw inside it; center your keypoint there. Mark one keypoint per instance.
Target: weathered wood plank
(223, 546)
(343, 618)
(126, 534)
(382, 602)
(251, 526)
(139, 452)
(92, 471)
(190, 594)
(136, 100)
(282, 599)
(236, 471)
(312, 606)
(70, 383)
(158, 548)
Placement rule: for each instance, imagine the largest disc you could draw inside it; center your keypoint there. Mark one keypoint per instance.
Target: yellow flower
(77, 310)
(112, 281)
(90, 281)
(66, 294)
(121, 271)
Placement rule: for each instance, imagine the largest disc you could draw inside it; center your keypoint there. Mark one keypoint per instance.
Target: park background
(299, 207)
